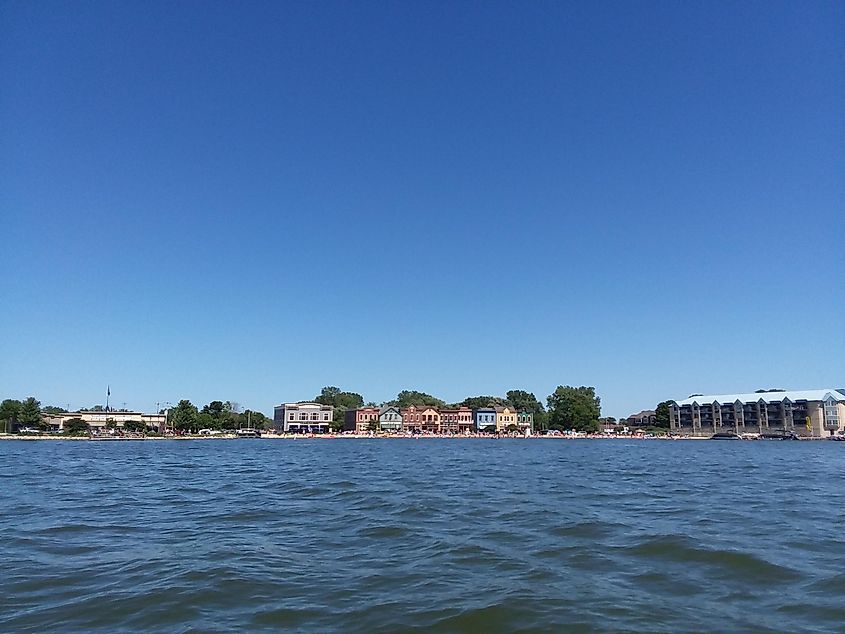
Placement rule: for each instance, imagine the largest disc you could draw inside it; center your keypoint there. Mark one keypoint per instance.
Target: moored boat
(725, 435)
(779, 435)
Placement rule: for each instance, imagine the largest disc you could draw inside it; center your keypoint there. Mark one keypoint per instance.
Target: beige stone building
(505, 416)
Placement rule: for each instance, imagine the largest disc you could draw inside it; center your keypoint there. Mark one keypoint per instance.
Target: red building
(457, 420)
(421, 419)
(361, 420)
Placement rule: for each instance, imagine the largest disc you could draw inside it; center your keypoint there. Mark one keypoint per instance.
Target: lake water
(439, 535)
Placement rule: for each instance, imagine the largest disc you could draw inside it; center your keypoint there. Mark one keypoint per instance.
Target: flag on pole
(108, 390)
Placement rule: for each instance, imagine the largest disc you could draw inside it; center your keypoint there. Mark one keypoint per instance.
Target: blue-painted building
(485, 417)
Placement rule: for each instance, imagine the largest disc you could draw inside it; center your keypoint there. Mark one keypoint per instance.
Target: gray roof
(768, 397)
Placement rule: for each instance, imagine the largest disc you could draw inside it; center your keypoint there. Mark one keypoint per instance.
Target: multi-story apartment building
(456, 420)
(485, 419)
(302, 418)
(804, 412)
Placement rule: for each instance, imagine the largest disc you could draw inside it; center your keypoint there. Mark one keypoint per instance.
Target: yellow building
(505, 416)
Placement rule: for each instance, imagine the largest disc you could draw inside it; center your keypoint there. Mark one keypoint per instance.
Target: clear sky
(248, 201)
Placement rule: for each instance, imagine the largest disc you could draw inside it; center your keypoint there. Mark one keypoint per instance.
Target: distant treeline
(185, 416)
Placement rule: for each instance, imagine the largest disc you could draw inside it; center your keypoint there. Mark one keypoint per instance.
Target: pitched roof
(768, 397)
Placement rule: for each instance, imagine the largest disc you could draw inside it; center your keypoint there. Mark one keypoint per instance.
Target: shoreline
(271, 437)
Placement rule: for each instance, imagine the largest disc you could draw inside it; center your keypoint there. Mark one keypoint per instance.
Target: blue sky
(249, 201)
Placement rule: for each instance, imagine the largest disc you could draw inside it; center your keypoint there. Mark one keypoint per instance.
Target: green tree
(337, 421)
(374, 425)
(256, 420)
(110, 424)
(327, 395)
(213, 415)
(183, 417)
(661, 414)
(229, 417)
(575, 408)
(135, 426)
(406, 398)
(75, 427)
(30, 413)
(207, 421)
(10, 410)
(524, 401)
(214, 409)
(477, 402)
(53, 409)
(338, 398)
(340, 401)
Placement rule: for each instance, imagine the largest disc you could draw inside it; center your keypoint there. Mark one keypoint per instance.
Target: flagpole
(108, 394)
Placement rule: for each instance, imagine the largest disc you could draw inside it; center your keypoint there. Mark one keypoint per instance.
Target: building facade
(390, 418)
(97, 421)
(302, 418)
(505, 417)
(485, 419)
(525, 420)
(645, 418)
(812, 413)
(361, 420)
(421, 419)
(456, 421)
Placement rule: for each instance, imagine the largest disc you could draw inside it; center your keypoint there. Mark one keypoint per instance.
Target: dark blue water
(441, 535)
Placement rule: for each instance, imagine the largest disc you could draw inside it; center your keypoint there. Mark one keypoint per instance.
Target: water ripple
(442, 536)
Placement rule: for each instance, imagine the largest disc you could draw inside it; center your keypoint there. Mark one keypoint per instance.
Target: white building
(99, 420)
(302, 418)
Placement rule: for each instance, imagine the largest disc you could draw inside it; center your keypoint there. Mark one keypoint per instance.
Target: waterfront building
(812, 413)
(420, 419)
(361, 420)
(411, 419)
(456, 420)
(505, 417)
(645, 418)
(525, 420)
(390, 418)
(100, 420)
(485, 419)
(430, 418)
(302, 418)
